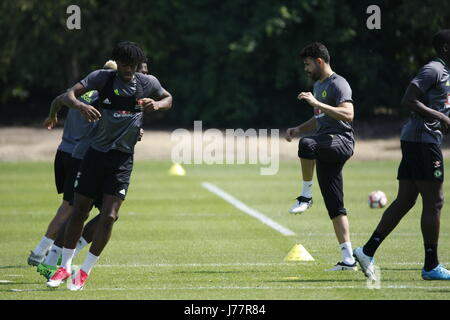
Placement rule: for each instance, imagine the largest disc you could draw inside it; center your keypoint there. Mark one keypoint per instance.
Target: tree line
(230, 63)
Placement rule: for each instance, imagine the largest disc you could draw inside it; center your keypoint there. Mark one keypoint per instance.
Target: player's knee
(434, 207)
(306, 148)
(408, 205)
(439, 204)
(110, 218)
(81, 211)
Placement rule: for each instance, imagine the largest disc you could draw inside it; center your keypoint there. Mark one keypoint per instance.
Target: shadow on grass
(21, 283)
(210, 272)
(14, 267)
(26, 290)
(401, 269)
(314, 281)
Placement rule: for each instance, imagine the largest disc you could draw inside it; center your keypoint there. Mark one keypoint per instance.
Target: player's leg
(307, 176)
(410, 166)
(329, 176)
(432, 203)
(405, 200)
(62, 171)
(86, 188)
(115, 185)
(306, 153)
(37, 255)
(82, 206)
(108, 216)
(49, 266)
(88, 233)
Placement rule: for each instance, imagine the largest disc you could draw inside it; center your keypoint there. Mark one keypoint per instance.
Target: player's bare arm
(70, 99)
(343, 111)
(52, 118)
(411, 101)
(306, 126)
(164, 102)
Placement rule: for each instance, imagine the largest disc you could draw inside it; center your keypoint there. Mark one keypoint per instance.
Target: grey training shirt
(80, 149)
(118, 130)
(434, 82)
(75, 128)
(333, 91)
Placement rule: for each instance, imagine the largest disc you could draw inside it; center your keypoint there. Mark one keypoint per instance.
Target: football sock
(67, 257)
(53, 255)
(347, 253)
(89, 262)
(307, 189)
(372, 245)
(431, 258)
(80, 245)
(43, 246)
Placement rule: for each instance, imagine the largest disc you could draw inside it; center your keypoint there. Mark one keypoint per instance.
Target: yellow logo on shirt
(116, 91)
(448, 83)
(324, 93)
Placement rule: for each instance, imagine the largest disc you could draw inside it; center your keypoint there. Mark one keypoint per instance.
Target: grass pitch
(176, 240)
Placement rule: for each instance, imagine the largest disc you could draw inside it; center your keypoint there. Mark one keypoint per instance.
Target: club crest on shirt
(438, 173)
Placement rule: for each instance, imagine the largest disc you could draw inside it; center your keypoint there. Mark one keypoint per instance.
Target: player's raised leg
(307, 155)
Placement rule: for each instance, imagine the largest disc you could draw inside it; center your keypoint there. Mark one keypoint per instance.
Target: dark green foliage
(231, 63)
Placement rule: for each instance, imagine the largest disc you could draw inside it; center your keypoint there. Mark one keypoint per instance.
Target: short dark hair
(315, 50)
(128, 53)
(440, 38)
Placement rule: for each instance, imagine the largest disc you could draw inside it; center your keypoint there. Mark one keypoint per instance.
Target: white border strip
(243, 207)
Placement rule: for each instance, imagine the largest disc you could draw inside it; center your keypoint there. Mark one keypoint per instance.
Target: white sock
(89, 262)
(347, 253)
(80, 245)
(67, 257)
(53, 255)
(43, 246)
(307, 189)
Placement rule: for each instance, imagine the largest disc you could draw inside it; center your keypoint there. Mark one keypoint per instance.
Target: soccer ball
(377, 199)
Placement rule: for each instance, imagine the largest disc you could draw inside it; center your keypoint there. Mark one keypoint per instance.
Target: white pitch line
(243, 207)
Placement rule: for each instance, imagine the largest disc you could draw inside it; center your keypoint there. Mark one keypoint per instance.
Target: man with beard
(329, 148)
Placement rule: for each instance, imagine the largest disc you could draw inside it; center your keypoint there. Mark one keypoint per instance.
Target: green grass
(176, 240)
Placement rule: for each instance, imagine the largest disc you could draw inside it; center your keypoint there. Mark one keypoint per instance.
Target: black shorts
(331, 148)
(421, 161)
(63, 169)
(104, 173)
(330, 152)
(69, 187)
